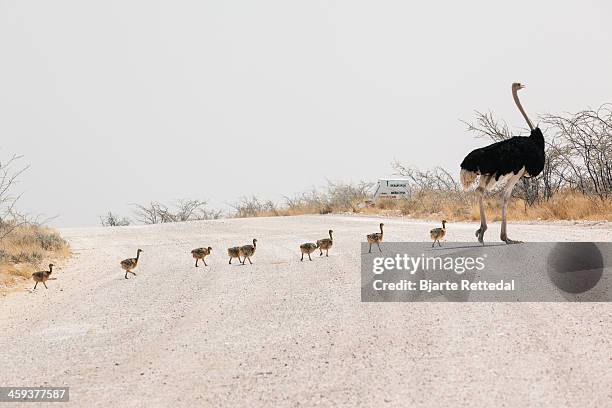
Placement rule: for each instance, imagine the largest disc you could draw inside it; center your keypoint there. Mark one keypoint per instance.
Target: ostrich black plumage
(506, 161)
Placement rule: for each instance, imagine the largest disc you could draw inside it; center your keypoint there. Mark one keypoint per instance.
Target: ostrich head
(517, 86)
(209, 249)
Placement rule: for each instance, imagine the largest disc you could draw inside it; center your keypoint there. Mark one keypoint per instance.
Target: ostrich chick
(201, 253)
(233, 252)
(247, 251)
(326, 244)
(438, 233)
(128, 264)
(308, 248)
(376, 238)
(42, 276)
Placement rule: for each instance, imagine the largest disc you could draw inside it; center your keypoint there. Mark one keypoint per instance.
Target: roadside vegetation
(576, 183)
(334, 198)
(160, 213)
(435, 205)
(25, 244)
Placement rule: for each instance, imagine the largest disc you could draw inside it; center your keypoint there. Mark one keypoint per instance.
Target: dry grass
(565, 205)
(334, 198)
(459, 206)
(25, 250)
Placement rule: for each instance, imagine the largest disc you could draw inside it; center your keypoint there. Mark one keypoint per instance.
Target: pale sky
(117, 102)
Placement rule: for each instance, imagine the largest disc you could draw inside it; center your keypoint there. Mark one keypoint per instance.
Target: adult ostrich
(504, 162)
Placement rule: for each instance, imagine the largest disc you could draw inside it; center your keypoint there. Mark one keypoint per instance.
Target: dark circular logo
(575, 267)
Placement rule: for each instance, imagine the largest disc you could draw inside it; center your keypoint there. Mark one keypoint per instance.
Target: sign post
(392, 188)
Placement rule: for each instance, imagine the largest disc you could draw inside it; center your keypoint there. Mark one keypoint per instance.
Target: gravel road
(288, 333)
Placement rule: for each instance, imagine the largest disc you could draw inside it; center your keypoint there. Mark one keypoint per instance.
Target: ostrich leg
(483, 220)
(484, 181)
(505, 198)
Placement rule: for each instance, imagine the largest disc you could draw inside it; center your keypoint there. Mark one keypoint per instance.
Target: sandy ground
(286, 333)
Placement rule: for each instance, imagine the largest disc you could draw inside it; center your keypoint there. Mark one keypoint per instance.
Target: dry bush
(433, 193)
(436, 204)
(26, 248)
(24, 244)
(10, 170)
(183, 211)
(564, 205)
(583, 149)
(336, 197)
(347, 196)
(310, 202)
(387, 204)
(113, 220)
(253, 207)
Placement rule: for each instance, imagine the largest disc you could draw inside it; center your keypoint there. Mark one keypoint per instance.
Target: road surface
(288, 333)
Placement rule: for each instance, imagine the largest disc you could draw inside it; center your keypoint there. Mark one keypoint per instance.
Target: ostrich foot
(509, 241)
(480, 233)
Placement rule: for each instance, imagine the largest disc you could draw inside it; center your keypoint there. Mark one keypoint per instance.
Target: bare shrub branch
(488, 127)
(253, 207)
(10, 219)
(185, 210)
(347, 196)
(437, 179)
(114, 220)
(584, 149)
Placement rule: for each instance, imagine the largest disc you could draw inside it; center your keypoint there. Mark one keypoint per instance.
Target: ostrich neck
(50, 269)
(520, 108)
(137, 256)
(381, 230)
(330, 236)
